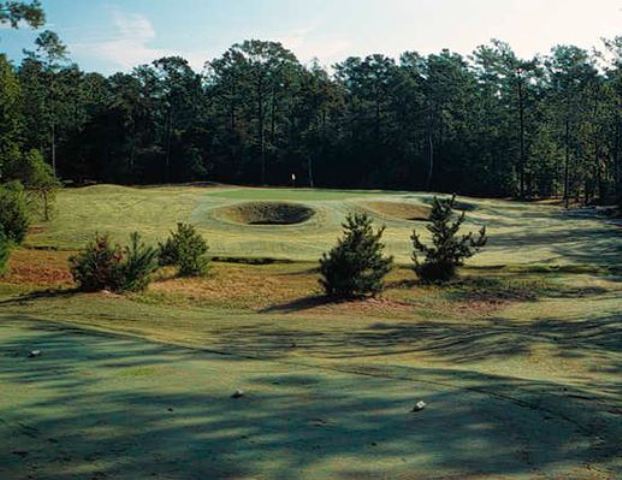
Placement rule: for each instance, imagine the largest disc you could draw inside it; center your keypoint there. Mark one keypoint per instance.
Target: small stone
(238, 394)
(34, 353)
(419, 406)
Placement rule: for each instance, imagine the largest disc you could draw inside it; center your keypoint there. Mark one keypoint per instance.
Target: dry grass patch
(45, 268)
(242, 286)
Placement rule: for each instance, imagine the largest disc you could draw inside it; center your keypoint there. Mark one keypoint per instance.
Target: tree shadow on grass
(300, 304)
(40, 294)
(99, 407)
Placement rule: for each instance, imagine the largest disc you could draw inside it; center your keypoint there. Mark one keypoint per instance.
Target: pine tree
(449, 248)
(355, 267)
(140, 262)
(187, 250)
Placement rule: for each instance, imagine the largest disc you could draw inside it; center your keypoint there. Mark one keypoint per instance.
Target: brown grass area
(405, 211)
(243, 286)
(274, 288)
(39, 267)
(294, 288)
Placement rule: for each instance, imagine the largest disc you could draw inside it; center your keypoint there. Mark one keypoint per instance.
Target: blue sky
(108, 36)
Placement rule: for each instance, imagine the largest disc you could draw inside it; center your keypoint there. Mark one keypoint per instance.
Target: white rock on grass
(419, 406)
(34, 353)
(238, 394)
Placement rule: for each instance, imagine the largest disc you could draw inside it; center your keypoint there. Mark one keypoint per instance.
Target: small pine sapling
(449, 249)
(356, 267)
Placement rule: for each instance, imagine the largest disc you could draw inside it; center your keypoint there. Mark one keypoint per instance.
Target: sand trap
(266, 213)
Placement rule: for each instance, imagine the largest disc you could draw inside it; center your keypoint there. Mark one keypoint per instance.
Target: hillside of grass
(520, 233)
(518, 359)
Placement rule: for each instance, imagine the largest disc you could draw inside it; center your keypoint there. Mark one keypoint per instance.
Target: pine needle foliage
(356, 266)
(104, 266)
(187, 250)
(449, 249)
(139, 262)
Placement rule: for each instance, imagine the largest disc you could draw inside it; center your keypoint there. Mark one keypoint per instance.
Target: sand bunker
(266, 213)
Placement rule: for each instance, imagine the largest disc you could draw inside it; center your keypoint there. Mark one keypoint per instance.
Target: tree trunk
(428, 182)
(522, 161)
(54, 148)
(46, 207)
(260, 130)
(169, 133)
(567, 165)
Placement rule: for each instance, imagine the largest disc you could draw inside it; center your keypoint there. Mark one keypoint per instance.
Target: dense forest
(489, 124)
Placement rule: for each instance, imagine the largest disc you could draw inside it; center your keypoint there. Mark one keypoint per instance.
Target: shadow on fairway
(103, 407)
(39, 294)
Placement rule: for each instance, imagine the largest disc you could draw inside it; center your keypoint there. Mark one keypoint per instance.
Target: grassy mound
(266, 213)
(404, 211)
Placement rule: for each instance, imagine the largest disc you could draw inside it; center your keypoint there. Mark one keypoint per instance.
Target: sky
(117, 35)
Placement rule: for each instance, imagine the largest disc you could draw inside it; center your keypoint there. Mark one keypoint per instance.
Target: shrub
(98, 266)
(4, 251)
(104, 266)
(186, 249)
(449, 249)
(355, 267)
(139, 262)
(13, 212)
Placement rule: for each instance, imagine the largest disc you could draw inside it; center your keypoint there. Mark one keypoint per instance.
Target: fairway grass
(520, 233)
(519, 361)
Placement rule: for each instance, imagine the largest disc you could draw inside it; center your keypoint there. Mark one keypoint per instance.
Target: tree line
(488, 124)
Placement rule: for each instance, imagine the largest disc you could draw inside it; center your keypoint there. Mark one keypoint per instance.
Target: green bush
(185, 249)
(449, 248)
(98, 266)
(13, 211)
(355, 267)
(139, 262)
(103, 266)
(5, 250)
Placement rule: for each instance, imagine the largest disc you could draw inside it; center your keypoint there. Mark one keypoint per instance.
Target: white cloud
(129, 45)
(308, 43)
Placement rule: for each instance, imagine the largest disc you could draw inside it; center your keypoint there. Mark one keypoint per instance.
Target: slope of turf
(518, 361)
(521, 233)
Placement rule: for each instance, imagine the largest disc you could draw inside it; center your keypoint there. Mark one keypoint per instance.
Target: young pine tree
(186, 249)
(104, 266)
(355, 267)
(98, 266)
(449, 248)
(139, 262)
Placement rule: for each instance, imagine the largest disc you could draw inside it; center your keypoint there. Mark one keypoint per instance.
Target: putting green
(99, 406)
